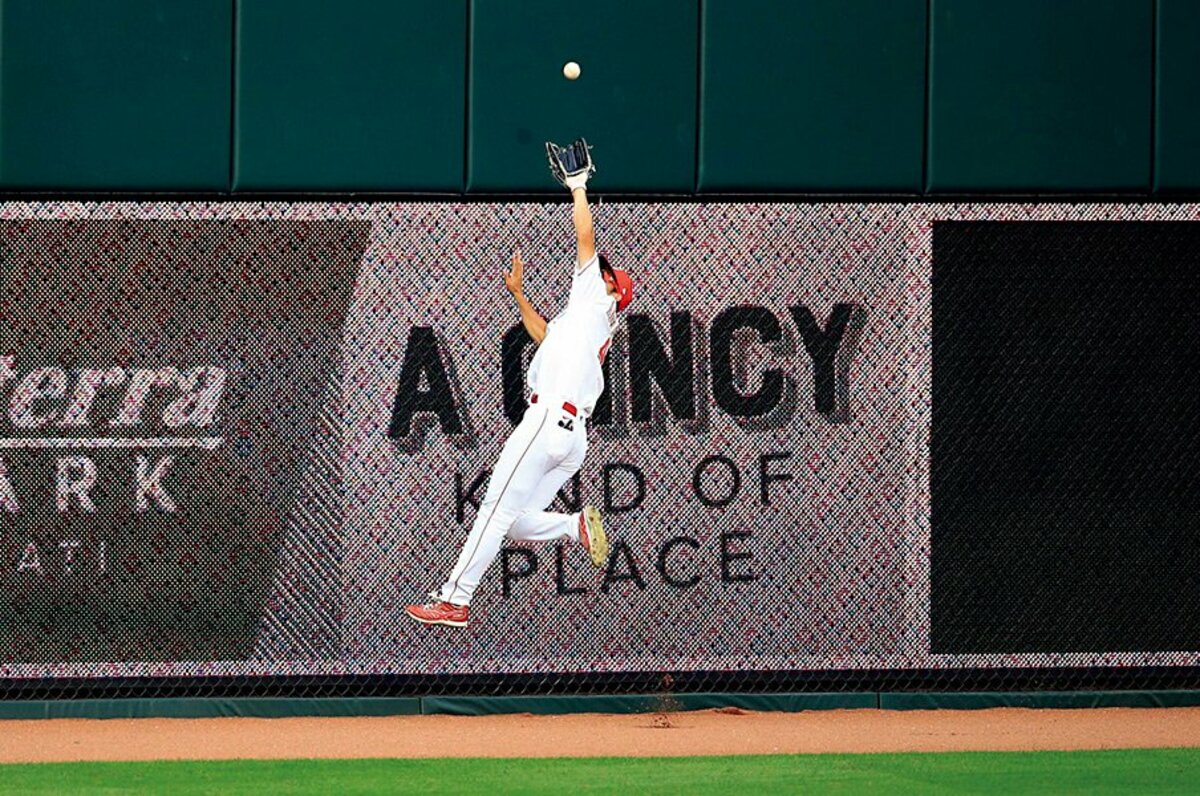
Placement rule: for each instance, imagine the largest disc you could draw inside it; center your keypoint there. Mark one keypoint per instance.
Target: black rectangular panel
(1066, 437)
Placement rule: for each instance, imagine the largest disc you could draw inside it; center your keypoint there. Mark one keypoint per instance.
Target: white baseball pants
(545, 450)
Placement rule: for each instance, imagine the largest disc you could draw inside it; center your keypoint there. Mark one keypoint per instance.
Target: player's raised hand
(514, 278)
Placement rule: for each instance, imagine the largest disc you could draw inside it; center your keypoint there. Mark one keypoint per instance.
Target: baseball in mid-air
(571, 70)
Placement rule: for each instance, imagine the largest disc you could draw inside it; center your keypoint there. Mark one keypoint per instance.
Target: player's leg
(546, 526)
(517, 473)
(584, 527)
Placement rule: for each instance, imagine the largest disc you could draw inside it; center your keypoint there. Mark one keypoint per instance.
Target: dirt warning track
(711, 732)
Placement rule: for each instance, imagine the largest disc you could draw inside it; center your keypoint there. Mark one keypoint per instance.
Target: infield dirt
(710, 732)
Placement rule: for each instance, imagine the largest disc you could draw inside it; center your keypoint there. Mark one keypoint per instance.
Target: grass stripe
(1103, 772)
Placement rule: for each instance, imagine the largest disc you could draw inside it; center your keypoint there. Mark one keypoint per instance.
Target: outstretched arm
(534, 323)
(585, 232)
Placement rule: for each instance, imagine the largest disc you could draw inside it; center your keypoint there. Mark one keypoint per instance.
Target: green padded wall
(1177, 124)
(837, 85)
(635, 101)
(125, 95)
(1023, 95)
(1036, 95)
(354, 95)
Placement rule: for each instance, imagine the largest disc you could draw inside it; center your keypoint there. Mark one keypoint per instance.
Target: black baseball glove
(571, 165)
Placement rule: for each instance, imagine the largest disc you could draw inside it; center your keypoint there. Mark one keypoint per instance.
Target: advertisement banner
(239, 438)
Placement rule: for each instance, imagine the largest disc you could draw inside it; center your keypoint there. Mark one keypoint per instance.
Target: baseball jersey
(568, 362)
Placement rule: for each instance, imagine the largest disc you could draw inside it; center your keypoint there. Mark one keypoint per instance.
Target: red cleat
(439, 613)
(591, 535)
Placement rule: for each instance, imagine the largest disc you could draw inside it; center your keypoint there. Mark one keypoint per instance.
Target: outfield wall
(238, 438)
(901, 97)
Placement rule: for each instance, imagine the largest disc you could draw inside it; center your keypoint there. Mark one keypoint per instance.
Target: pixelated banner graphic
(236, 439)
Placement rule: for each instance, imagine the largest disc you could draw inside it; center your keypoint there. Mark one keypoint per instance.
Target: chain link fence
(842, 447)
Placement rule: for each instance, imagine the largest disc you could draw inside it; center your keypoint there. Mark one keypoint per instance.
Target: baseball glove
(571, 165)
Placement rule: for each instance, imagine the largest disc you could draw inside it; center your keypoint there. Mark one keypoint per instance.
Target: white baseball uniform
(548, 446)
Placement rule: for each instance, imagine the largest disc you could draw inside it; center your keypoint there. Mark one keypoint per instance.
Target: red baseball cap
(624, 288)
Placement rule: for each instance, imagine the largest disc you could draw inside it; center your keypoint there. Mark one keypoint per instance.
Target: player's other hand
(513, 278)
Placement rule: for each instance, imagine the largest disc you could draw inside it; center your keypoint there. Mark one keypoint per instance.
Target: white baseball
(571, 70)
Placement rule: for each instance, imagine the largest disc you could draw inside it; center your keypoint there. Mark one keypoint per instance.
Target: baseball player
(548, 446)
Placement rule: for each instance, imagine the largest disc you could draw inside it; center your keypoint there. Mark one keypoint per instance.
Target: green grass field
(1122, 771)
